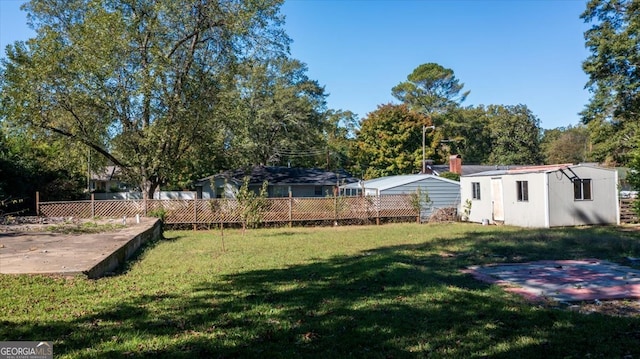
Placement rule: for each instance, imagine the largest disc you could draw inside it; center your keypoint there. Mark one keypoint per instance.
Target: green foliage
(614, 79)
(251, 205)
(566, 145)
(29, 163)
(430, 89)
(515, 135)
(465, 132)
(389, 142)
(276, 116)
(160, 213)
(420, 199)
(451, 176)
(141, 84)
(466, 209)
(339, 135)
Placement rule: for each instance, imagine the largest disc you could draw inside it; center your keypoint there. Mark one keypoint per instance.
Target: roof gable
(536, 169)
(385, 183)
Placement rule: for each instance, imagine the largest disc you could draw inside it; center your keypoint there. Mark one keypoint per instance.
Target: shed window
(318, 191)
(582, 189)
(523, 191)
(475, 190)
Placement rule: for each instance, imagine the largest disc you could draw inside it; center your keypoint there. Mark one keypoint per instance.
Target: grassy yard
(392, 291)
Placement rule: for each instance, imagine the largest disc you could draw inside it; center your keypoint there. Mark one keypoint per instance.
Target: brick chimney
(455, 164)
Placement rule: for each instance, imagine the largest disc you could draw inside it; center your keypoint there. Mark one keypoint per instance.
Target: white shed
(443, 193)
(543, 196)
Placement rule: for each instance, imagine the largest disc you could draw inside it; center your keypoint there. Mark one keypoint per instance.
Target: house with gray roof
(281, 181)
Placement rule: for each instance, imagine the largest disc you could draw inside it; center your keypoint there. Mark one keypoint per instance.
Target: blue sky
(505, 52)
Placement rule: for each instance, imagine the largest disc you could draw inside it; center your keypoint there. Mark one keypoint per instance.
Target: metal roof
(384, 183)
(534, 169)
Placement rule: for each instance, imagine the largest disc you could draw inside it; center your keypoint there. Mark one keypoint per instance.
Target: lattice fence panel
(395, 206)
(229, 211)
(278, 210)
(118, 209)
(177, 210)
(313, 209)
(356, 208)
(77, 209)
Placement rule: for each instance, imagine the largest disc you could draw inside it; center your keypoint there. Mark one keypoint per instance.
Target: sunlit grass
(366, 292)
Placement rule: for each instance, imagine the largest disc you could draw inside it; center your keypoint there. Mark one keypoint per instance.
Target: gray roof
(275, 175)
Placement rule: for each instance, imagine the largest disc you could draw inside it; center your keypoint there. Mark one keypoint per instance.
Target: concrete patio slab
(563, 280)
(92, 255)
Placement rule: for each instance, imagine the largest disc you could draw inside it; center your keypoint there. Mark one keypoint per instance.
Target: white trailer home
(542, 196)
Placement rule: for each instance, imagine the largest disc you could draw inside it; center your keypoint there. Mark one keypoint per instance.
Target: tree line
(172, 91)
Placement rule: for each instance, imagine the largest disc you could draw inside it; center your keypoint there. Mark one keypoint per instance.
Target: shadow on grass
(393, 302)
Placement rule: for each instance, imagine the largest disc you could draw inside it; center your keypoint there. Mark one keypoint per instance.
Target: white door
(497, 200)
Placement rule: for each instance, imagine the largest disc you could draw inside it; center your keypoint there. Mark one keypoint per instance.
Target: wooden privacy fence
(210, 211)
(627, 214)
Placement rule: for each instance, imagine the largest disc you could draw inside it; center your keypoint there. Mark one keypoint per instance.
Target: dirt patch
(586, 286)
(69, 225)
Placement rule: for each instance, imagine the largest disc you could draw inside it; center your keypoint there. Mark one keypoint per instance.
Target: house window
(582, 189)
(475, 190)
(523, 191)
(318, 191)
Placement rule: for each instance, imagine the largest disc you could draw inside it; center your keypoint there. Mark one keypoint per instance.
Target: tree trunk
(148, 188)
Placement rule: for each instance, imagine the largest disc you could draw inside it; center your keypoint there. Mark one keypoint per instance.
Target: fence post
(93, 205)
(378, 201)
(335, 210)
(195, 211)
(37, 203)
(290, 210)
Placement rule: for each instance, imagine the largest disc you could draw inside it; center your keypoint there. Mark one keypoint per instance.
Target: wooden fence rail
(211, 211)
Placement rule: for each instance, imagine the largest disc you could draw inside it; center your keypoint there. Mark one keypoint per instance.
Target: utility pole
(424, 130)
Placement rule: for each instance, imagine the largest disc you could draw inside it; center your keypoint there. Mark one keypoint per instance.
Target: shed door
(497, 200)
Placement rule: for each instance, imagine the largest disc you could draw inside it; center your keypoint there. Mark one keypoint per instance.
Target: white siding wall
(530, 213)
(602, 209)
(480, 209)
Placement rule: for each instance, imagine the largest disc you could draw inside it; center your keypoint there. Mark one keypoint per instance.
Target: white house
(443, 193)
(542, 196)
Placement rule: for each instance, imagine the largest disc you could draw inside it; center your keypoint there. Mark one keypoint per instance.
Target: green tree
(55, 167)
(515, 135)
(565, 145)
(339, 136)
(465, 131)
(430, 89)
(278, 112)
(251, 205)
(614, 79)
(389, 142)
(135, 81)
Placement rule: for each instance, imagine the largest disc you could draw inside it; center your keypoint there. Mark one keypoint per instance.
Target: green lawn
(390, 291)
